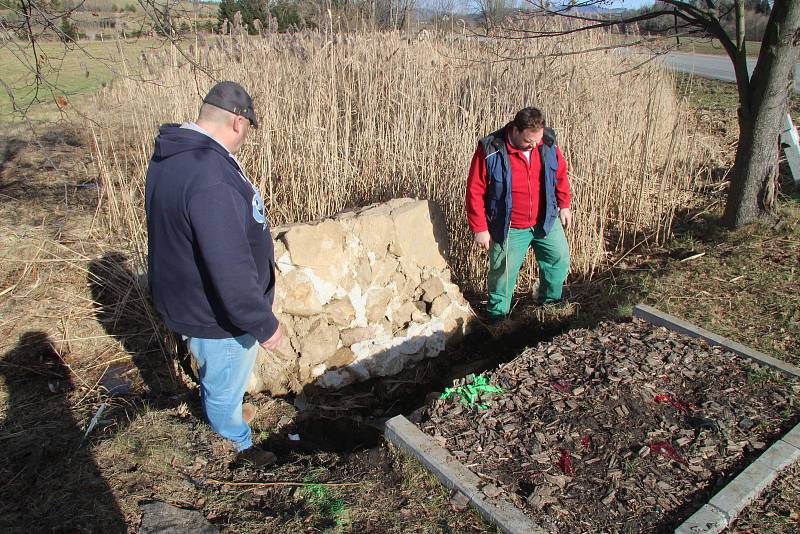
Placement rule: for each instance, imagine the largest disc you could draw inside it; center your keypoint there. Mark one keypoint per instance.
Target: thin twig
(267, 484)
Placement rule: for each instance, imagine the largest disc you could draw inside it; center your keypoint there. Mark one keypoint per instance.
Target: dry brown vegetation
(362, 118)
(347, 120)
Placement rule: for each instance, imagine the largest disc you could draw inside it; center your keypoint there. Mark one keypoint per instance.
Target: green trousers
(552, 256)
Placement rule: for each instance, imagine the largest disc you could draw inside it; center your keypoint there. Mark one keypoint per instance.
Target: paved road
(719, 67)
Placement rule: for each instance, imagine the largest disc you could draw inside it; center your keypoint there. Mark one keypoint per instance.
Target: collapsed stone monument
(362, 294)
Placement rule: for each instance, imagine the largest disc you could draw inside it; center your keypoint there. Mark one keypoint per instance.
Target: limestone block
(272, 375)
(419, 316)
(285, 351)
(280, 249)
(458, 320)
(376, 229)
(395, 203)
(432, 288)
(410, 344)
(385, 325)
(302, 326)
(414, 222)
(301, 298)
(349, 220)
(402, 315)
(318, 345)
(280, 294)
(342, 357)
(383, 270)
(351, 336)
(377, 302)
(439, 305)
(340, 312)
(363, 273)
(319, 247)
(410, 270)
(398, 280)
(336, 378)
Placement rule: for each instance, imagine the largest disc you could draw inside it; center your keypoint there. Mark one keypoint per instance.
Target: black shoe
(255, 457)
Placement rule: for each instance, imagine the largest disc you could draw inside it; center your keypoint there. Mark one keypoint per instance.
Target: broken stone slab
(728, 503)
(431, 288)
(707, 520)
(161, 518)
(793, 437)
(456, 476)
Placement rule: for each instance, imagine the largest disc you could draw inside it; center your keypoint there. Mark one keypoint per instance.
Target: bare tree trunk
(755, 170)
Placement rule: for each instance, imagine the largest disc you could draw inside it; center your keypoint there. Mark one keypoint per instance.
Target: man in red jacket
(518, 197)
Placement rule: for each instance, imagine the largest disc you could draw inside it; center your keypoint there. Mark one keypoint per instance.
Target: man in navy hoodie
(211, 256)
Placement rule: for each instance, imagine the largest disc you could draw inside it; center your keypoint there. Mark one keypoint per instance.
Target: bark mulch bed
(626, 427)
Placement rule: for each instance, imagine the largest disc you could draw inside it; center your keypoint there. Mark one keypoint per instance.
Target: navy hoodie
(210, 253)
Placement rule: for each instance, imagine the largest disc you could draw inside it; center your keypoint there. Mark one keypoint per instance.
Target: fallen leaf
(565, 463)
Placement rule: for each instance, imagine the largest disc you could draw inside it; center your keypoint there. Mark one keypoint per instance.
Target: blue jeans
(225, 367)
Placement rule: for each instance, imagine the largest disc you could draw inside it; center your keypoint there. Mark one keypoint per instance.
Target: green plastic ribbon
(470, 393)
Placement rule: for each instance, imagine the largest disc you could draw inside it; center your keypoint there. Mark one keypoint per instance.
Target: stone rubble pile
(362, 294)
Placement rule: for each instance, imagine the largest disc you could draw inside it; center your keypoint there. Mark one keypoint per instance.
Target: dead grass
(57, 337)
(379, 115)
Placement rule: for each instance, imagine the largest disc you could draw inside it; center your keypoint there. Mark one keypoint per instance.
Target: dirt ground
(75, 336)
(74, 328)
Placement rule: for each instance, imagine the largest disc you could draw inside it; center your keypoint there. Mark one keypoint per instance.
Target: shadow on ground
(122, 307)
(51, 482)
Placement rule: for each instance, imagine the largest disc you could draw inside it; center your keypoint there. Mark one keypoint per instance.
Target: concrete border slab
(781, 454)
(659, 318)
(743, 489)
(455, 475)
(793, 437)
(728, 503)
(724, 507)
(707, 519)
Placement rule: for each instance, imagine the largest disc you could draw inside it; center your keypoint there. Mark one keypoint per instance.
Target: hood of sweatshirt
(172, 140)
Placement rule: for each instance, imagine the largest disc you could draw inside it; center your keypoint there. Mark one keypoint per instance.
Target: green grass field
(77, 71)
(73, 73)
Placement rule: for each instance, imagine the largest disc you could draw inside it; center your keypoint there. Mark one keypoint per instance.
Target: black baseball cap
(232, 97)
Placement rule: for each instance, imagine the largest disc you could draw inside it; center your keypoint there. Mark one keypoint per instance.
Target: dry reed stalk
(354, 119)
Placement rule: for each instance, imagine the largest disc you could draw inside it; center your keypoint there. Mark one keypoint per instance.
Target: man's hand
(483, 240)
(273, 342)
(565, 216)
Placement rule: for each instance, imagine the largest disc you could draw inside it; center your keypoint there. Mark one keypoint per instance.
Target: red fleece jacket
(527, 193)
